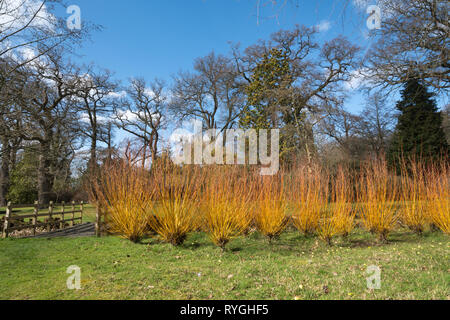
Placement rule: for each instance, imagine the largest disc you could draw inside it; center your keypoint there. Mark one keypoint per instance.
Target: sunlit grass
(294, 267)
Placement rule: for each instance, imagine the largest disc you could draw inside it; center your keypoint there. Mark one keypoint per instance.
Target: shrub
(306, 196)
(438, 194)
(413, 213)
(377, 196)
(226, 205)
(327, 227)
(343, 216)
(270, 211)
(327, 208)
(176, 208)
(123, 193)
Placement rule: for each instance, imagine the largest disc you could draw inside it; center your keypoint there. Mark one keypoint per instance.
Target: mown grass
(293, 267)
(88, 212)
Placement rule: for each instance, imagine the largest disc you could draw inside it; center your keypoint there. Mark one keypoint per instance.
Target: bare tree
(364, 134)
(377, 121)
(213, 93)
(343, 127)
(10, 126)
(317, 73)
(142, 114)
(50, 114)
(107, 137)
(96, 106)
(30, 32)
(413, 43)
(29, 29)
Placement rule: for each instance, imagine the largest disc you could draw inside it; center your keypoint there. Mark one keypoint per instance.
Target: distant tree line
(59, 120)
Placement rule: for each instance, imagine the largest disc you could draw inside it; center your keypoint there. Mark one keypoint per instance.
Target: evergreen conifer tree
(419, 133)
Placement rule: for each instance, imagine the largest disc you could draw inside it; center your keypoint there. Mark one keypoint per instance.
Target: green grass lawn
(88, 212)
(294, 267)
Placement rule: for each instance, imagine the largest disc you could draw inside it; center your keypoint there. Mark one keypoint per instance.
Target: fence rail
(64, 217)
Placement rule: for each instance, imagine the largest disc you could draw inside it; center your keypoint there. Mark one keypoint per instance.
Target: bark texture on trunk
(4, 173)
(45, 179)
(93, 154)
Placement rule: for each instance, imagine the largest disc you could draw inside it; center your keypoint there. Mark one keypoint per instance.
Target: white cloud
(118, 95)
(19, 19)
(355, 81)
(130, 116)
(149, 92)
(127, 116)
(28, 54)
(15, 14)
(85, 118)
(323, 26)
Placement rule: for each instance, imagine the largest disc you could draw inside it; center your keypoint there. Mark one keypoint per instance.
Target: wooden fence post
(73, 214)
(97, 221)
(62, 223)
(81, 209)
(6, 224)
(50, 216)
(35, 218)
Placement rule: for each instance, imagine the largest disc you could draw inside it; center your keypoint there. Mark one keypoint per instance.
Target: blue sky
(157, 38)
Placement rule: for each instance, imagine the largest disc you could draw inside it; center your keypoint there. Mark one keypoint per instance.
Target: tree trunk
(144, 154)
(4, 172)
(44, 175)
(93, 157)
(154, 147)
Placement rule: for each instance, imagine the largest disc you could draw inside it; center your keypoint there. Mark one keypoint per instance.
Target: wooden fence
(49, 217)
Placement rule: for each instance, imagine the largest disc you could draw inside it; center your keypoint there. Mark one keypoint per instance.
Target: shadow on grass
(360, 243)
(289, 243)
(191, 245)
(397, 237)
